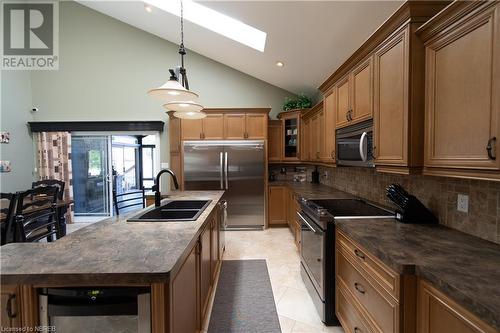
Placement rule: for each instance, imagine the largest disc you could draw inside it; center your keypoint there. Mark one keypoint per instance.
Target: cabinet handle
(374, 150)
(359, 288)
(201, 135)
(489, 148)
(357, 330)
(10, 312)
(359, 254)
(347, 115)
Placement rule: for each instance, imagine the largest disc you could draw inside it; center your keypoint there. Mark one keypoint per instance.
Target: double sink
(173, 211)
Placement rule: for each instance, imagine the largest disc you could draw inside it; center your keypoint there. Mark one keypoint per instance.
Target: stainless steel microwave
(355, 145)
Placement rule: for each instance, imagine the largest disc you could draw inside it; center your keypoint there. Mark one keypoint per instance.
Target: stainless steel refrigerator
(238, 167)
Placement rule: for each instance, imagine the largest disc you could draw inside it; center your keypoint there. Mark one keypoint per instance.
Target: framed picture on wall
(5, 166)
(4, 137)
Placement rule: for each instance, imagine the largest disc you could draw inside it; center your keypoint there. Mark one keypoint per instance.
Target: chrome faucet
(156, 186)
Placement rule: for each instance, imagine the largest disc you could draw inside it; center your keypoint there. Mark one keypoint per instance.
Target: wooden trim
(160, 308)
(492, 175)
(291, 113)
(401, 170)
(308, 113)
(410, 11)
(237, 110)
(97, 126)
(28, 306)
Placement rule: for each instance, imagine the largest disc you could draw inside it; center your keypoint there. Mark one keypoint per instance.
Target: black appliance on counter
(317, 247)
(411, 209)
(315, 176)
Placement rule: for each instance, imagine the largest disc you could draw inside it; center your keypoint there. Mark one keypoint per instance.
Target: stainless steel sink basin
(173, 211)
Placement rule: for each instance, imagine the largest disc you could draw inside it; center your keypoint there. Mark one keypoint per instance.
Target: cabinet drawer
(348, 313)
(381, 308)
(385, 277)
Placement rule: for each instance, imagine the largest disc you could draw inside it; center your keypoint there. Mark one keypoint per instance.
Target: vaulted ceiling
(311, 38)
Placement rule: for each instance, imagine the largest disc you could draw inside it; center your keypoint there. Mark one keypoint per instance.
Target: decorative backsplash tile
(439, 194)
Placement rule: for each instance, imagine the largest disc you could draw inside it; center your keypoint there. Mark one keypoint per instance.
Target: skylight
(215, 21)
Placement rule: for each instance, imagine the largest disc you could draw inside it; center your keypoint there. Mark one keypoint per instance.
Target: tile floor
(295, 308)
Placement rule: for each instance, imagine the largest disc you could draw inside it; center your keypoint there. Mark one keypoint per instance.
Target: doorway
(125, 161)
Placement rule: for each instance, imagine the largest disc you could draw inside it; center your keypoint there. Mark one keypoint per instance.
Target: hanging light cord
(182, 51)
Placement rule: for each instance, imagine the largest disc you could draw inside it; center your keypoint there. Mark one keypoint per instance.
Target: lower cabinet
(214, 247)
(276, 205)
(205, 267)
(185, 296)
(437, 313)
(10, 314)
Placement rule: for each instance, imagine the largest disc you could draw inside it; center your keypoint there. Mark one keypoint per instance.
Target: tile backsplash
(439, 194)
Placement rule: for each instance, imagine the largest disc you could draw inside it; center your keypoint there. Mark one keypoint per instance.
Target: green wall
(15, 112)
(106, 68)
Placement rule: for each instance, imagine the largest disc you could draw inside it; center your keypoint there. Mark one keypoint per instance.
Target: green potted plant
(300, 102)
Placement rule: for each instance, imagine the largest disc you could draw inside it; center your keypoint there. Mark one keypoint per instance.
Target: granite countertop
(112, 251)
(464, 267)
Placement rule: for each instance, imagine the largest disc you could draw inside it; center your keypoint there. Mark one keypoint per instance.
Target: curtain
(54, 162)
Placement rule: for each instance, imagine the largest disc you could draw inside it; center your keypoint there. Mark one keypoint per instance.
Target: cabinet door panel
(9, 297)
(234, 126)
(322, 155)
(330, 112)
(274, 144)
(184, 297)
(463, 103)
(277, 205)
(192, 129)
(304, 140)
(214, 248)
(213, 128)
(256, 126)
(174, 134)
(343, 102)
(362, 92)
(205, 276)
(391, 102)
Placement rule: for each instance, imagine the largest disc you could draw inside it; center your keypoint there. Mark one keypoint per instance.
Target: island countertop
(112, 251)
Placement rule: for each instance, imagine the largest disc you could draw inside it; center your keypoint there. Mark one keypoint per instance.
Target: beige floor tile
(297, 304)
(286, 324)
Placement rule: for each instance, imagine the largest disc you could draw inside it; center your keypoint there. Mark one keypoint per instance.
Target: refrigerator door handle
(221, 158)
(225, 169)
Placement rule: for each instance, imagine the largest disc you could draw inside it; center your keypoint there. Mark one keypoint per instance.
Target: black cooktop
(350, 207)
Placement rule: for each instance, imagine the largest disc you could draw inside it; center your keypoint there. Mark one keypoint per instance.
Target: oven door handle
(303, 219)
(363, 146)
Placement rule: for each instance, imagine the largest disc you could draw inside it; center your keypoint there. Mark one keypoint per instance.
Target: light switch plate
(463, 203)
(164, 165)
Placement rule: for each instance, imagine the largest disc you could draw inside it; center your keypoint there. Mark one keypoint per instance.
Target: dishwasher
(88, 309)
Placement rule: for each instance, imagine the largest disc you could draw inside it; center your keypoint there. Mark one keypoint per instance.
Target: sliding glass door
(91, 175)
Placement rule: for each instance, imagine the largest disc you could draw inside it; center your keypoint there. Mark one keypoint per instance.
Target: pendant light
(176, 94)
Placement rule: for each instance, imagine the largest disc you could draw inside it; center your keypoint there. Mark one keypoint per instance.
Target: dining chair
(62, 211)
(7, 204)
(36, 215)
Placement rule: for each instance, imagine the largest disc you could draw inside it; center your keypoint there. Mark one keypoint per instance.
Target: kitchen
(372, 206)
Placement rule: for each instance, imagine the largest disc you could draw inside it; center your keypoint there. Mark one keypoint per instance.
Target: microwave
(355, 145)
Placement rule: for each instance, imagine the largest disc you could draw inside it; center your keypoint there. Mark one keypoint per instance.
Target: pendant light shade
(183, 106)
(172, 90)
(190, 114)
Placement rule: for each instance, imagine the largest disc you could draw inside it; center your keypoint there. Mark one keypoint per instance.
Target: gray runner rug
(244, 300)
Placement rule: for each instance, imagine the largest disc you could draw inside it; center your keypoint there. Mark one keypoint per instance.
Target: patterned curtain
(54, 162)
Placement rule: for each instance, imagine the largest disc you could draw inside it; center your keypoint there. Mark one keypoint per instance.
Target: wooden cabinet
(437, 313)
(256, 126)
(329, 127)
(462, 99)
(291, 136)
(245, 126)
(343, 105)
(175, 142)
(276, 207)
(292, 209)
(275, 141)
(314, 133)
(214, 247)
(205, 267)
(185, 296)
(208, 128)
(304, 140)
(10, 314)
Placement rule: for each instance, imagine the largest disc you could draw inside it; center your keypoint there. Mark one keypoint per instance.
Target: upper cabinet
(314, 122)
(462, 105)
(274, 143)
(226, 124)
(291, 135)
(245, 126)
(330, 114)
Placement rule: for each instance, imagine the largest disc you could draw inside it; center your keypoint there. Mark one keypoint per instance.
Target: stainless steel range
(318, 246)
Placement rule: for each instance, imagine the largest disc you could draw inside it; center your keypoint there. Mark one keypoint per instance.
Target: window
(148, 161)
(95, 164)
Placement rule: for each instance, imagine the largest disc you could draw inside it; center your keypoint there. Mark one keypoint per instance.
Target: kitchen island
(177, 260)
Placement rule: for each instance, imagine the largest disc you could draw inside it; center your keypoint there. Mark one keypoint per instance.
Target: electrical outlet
(164, 165)
(326, 175)
(463, 203)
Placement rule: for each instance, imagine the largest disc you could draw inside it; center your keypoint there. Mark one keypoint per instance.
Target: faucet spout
(156, 186)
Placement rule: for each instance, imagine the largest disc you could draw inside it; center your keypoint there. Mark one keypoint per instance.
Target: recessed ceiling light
(280, 64)
(148, 8)
(215, 21)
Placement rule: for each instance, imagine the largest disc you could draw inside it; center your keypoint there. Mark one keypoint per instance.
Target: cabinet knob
(359, 288)
(489, 148)
(357, 330)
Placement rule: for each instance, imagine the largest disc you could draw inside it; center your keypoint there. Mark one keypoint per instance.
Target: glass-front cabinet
(291, 135)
